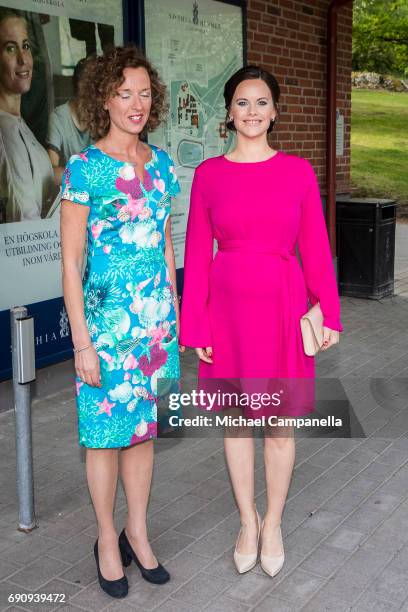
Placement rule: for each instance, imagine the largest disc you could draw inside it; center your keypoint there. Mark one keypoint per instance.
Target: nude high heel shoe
(244, 563)
(272, 565)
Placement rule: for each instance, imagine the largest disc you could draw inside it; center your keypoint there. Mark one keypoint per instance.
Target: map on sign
(198, 118)
(196, 46)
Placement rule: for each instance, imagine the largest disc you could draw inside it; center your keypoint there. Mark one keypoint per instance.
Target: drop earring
(230, 123)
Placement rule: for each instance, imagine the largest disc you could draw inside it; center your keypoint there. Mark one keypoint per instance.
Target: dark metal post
(22, 342)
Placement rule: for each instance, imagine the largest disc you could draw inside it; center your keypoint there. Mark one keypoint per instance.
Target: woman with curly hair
(124, 314)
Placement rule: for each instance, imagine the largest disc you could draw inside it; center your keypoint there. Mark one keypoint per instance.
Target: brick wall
(288, 37)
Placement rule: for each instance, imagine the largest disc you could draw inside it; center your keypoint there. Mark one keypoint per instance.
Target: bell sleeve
(314, 249)
(195, 329)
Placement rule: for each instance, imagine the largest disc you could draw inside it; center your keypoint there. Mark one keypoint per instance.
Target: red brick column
(288, 37)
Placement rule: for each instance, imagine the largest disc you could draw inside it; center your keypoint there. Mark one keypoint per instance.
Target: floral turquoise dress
(128, 296)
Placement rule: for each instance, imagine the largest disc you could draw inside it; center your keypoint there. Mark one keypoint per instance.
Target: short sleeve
(75, 187)
(173, 184)
(54, 135)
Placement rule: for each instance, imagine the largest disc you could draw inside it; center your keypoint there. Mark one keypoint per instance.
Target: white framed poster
(196, 46)
(43, 46)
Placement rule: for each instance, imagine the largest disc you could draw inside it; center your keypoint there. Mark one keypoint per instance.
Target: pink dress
(246, 302)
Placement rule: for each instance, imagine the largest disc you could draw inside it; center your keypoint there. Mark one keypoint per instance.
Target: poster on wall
(43, 47)
(196, 46)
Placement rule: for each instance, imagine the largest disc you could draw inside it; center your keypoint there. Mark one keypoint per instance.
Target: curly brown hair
(100, 79)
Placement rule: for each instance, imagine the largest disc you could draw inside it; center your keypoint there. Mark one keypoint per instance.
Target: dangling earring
(271, 125)
(230, 123)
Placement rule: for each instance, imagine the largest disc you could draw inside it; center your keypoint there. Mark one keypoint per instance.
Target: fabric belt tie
(287, 321)
(286, 254)
(247, 246)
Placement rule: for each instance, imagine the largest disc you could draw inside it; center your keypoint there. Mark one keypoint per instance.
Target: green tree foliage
(380, 36)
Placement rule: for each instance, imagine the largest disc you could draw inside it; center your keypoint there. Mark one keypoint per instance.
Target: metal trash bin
(366, 246)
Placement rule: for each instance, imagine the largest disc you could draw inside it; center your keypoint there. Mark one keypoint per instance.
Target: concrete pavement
(345, 525)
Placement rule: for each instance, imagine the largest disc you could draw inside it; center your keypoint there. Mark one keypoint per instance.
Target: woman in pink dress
(241, 309)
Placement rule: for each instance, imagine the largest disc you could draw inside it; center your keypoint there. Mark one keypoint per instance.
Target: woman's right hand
(87, 367)
(205, 354)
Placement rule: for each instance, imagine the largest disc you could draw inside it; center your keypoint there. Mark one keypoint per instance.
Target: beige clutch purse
(311, 325)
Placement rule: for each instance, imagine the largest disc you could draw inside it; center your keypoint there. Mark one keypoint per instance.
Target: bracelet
(82, 349)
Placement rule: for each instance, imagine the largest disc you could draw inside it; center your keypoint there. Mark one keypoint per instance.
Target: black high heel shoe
(115, 588)
(157, 575)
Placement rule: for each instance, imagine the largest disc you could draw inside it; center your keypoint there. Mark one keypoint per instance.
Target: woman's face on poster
(16, 60)
(130, 106)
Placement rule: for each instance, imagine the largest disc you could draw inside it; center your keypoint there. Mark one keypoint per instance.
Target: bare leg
(239, 452)
(279, 454)
(136, 468)
(102, 474)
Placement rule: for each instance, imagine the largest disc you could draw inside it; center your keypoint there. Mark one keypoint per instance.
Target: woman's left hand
(330, 337)
(181, 348)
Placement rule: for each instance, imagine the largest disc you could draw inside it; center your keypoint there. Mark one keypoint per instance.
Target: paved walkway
(345, 524)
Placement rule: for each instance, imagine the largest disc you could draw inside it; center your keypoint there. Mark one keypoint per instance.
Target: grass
(379, 144)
